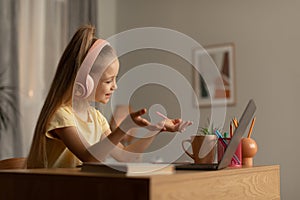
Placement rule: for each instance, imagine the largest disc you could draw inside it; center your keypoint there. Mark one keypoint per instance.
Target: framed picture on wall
(214, 83)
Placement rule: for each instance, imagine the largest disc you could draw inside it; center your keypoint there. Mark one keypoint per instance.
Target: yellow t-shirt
(58, 155)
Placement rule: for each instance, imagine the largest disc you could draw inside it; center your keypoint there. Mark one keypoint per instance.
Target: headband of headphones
(84, 83)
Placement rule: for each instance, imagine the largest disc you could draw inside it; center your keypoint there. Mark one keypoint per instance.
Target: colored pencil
(162, 115)
(251, 127)
(231, 130)
(235, 122)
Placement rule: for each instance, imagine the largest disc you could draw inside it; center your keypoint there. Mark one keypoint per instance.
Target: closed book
(132, 169)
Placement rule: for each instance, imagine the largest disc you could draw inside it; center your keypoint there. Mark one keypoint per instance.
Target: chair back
(13, 163)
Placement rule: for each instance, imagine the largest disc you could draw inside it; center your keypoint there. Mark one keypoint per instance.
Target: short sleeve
(63, 117)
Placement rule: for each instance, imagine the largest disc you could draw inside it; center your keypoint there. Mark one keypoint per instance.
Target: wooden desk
(246, 183)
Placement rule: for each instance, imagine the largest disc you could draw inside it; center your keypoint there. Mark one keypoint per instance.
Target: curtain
(81, 12)
(10, 138)
(35, 33)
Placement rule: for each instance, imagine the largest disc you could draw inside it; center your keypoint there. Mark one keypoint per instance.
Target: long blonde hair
(60, 91)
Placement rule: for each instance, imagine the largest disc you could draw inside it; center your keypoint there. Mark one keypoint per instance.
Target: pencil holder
(249, 149)
(236, 160)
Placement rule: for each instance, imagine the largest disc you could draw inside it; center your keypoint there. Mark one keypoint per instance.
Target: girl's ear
(84, 91)
(89, 85)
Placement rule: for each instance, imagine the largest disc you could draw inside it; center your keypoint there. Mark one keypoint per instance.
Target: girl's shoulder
(64, 110)
(62, 117)
(63, 113)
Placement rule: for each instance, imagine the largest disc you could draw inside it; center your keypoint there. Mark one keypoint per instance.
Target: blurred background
(265, 34)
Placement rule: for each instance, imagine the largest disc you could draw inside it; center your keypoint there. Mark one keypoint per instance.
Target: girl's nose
(115, 86)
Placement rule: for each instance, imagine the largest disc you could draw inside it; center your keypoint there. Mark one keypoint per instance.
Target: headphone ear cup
(79, 89)
(89, 85)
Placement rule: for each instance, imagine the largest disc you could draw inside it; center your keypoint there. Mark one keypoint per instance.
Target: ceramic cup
(203, 148)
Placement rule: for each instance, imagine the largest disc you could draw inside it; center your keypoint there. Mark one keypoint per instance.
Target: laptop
(232, 146)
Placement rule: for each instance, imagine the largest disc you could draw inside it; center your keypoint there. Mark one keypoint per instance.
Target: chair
(13, 163)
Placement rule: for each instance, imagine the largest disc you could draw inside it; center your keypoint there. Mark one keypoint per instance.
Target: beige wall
(267, 38)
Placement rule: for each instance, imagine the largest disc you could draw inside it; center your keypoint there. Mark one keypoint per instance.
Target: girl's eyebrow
(106, 78)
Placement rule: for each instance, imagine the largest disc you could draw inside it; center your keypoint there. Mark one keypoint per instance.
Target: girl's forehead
(111, 70)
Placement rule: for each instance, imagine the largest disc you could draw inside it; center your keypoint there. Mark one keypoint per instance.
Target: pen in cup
(231, 130)
(235, 122)
(251, 127)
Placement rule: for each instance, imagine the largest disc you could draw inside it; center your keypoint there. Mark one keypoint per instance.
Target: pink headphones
(84, 83)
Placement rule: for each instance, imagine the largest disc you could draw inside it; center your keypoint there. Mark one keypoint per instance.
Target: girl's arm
(83, 150)
(133, 152)
(75, 143)
(98, 152)
(110, 143)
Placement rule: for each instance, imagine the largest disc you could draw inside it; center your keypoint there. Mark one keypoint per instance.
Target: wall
(267, 37)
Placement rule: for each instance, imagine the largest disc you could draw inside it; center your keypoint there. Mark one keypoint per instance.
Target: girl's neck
(81, 108)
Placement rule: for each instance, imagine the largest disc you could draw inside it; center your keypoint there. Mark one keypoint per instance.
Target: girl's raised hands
(174, 125)
(135, 120)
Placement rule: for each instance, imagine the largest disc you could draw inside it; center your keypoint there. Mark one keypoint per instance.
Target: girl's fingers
(183, 125)
(160, 126)
(177, 121)
(138, 113)
(143, 122)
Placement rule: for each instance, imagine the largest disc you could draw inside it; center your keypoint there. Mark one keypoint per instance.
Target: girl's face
(107, 83)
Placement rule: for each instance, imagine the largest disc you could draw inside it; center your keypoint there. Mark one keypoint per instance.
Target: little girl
(70, 131)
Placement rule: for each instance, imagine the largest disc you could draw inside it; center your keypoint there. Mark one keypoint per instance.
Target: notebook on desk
(232, 146)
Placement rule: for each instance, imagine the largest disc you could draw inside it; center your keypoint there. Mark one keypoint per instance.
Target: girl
(70, 131)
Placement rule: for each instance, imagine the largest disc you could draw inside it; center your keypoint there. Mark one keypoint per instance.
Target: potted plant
(8, 108)
(206, 131)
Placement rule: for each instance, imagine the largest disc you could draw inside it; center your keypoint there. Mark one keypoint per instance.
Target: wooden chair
(13, 163)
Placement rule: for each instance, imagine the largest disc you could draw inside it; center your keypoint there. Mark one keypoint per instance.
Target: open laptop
(232, 146)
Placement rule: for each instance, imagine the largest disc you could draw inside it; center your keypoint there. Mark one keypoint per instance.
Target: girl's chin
(103, 101)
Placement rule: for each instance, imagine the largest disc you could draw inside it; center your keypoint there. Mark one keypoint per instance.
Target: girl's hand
(134, 120)
(173, 125)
